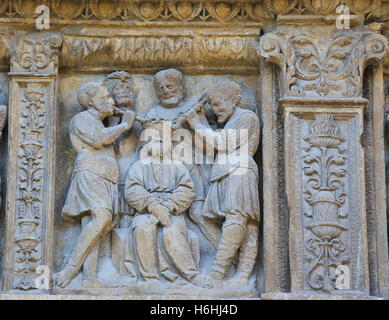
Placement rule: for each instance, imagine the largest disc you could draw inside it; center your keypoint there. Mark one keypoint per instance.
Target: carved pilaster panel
(325, 189)
(31, 152)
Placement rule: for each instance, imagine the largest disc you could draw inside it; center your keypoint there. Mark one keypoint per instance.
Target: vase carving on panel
(31, 171)
(324, 168)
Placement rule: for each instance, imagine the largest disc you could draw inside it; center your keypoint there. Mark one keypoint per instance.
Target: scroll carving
(36, 54)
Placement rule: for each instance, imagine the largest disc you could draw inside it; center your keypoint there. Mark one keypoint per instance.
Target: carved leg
(164, 267)
(177, 247)
(194, 242)
(90, 235)
(89, 266)
(145, 236)
(232, 237)
(247, 254)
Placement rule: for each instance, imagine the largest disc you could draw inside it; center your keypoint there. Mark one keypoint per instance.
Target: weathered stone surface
(188, 149)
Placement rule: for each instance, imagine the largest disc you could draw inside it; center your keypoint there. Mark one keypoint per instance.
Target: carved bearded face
(169, 92)
(222, 106)
(124, 95)
(103, 102)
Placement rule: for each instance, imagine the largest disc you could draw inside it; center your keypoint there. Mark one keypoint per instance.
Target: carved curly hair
(87, 92)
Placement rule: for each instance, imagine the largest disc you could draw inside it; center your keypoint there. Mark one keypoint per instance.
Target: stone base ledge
(308, 296)
(105, 297)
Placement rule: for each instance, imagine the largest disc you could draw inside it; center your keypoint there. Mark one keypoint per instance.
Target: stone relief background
(210, 41)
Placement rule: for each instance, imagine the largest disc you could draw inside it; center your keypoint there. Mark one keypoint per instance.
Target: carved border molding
(187, 49)
(226, 11)
(331, 70)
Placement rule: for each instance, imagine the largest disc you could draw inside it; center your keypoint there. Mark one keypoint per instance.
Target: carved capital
(330, 68)
(36, 53)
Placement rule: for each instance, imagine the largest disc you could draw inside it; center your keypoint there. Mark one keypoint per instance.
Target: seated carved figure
(233, 195)
(161, 191)
(93, 192)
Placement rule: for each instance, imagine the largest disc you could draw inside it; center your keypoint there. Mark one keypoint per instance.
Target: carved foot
(238, 281)
(168, 275)
(211, 283)
(199, 280)
(63, 278)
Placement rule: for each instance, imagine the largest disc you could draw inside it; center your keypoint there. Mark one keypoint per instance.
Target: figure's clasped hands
(162, 214)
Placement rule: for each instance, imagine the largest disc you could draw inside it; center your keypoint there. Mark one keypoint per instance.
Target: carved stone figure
(122, 89)
(170, 87)
(233, 195)
(93, 192)
(161, 191)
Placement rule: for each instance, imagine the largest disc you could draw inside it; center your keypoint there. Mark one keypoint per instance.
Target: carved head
(95, 95)
(121, 87)
(223, 98)
(170, 87)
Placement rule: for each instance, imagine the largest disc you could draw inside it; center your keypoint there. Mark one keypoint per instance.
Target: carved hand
(192, 118)
(128, 117)
(162, 214)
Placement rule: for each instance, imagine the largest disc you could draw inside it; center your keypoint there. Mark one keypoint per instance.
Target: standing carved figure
(233, 195)
(170, 87)
(93, 191)
(122, 89)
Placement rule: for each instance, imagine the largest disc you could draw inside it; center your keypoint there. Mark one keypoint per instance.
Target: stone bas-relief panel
(132, 241)
(327, 207)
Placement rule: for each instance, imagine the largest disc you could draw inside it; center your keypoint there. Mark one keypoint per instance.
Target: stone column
(31, 155)
(321, 106)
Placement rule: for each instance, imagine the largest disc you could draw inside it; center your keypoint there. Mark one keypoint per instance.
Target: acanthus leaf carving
(335, 70)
